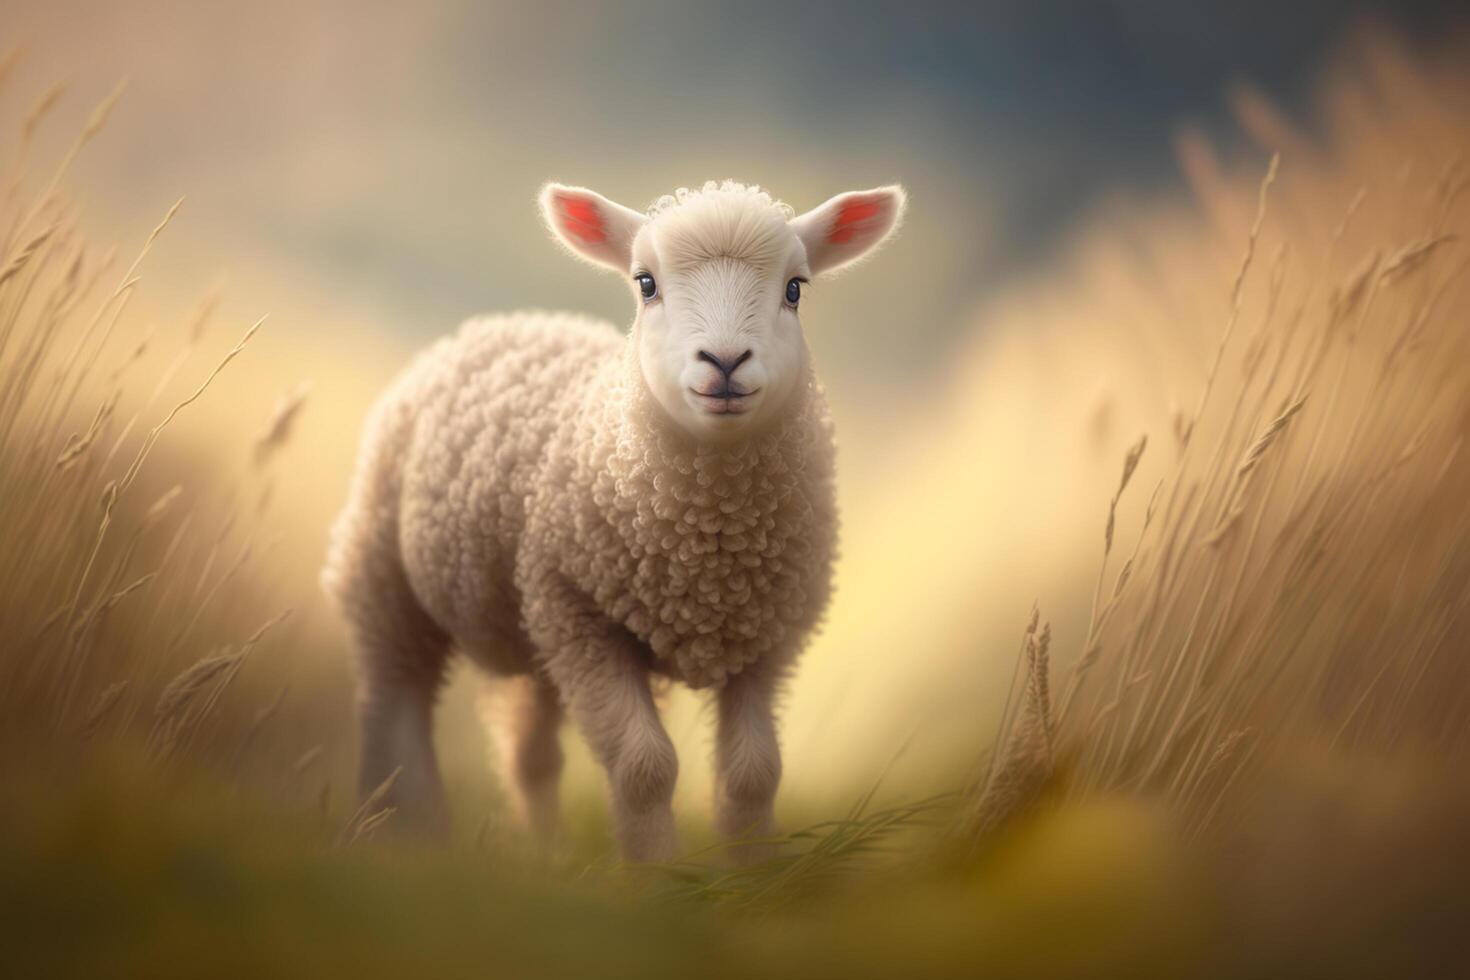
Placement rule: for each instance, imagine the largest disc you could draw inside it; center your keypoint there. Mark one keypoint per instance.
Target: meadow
(1235, 749)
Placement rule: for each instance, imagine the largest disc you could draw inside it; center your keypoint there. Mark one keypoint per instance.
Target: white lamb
(577, 510)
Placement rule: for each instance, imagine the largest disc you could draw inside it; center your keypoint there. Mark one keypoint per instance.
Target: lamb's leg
(601, 671)
(401, 660)
(523, 715)
(747, 765)
(614, 709)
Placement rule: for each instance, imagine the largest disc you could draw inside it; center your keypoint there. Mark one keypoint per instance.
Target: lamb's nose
(726, 363)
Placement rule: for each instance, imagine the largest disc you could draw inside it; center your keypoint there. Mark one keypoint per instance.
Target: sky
(386, 157)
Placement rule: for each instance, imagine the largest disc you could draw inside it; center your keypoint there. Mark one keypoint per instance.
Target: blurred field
(1236, 749)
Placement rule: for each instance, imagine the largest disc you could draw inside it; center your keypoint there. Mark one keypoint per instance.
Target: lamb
(580, 512)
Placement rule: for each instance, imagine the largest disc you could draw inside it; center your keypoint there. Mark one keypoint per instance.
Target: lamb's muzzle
(726, 365)
(576, 511)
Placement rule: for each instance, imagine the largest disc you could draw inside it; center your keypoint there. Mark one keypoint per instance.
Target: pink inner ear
(851, 219)
(580, 217)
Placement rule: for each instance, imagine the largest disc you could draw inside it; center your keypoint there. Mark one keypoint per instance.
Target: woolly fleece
(519, 488)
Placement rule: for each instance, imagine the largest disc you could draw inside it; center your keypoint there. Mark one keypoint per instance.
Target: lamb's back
(484, 405)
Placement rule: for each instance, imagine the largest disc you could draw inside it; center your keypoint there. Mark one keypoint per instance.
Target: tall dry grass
(131, 591)
(1297, 581)
(1283, 577)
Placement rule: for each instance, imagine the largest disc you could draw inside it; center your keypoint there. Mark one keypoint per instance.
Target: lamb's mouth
(726, 402)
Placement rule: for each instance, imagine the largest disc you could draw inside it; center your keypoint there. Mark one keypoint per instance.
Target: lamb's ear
(849, 226)
(593, 227)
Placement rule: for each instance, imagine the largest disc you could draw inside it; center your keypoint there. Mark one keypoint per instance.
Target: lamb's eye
(646, 285)
(793, 292)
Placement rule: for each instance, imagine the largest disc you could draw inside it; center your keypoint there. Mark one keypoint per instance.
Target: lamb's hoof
(400, 824)
(649, 839)
(750, 834)
(748, 853)
(661, 852)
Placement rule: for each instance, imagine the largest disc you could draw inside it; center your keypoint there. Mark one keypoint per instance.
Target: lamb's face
(719, 335)
(718, 276)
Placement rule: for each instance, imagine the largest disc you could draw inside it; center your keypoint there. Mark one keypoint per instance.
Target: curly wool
(715, 189)
(524, 460)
